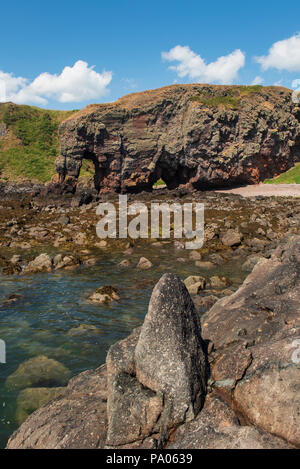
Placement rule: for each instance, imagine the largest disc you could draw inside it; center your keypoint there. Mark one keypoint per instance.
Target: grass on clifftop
(30, 146)
(229, 100)
(292, 176)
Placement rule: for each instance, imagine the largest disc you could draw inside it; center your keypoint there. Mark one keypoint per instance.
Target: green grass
(87, 170)
(216, 101)
(250, 89)
(230, 100)
(158, 183)
(30, 150)
(292, 176)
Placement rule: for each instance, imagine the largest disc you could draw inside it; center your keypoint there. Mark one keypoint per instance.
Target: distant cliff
(199, 136)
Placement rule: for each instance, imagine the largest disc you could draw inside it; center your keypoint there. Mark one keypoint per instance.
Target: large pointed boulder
(169, 356)
(157, 376)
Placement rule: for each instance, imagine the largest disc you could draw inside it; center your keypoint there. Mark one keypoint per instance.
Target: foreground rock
(157, 377)
(252, 340)
(217, 427)
(256, 336)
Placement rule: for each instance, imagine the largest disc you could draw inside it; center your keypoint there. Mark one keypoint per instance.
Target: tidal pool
(51, 304)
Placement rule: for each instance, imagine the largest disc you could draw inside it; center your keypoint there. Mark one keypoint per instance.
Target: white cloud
(74, 84)
(10, 84)
(224, 70)
(257, 80)
(283, 55)
(296, 84)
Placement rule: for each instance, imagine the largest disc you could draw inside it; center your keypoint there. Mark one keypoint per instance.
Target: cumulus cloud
(224, 70)
(283, 55)
(74, 84)
(10, 85)
(296, 84)
(257, 81)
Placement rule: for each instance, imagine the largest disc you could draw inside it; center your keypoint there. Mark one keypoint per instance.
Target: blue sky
(124, 41)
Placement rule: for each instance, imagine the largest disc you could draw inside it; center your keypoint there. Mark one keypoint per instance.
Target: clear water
(53, 303)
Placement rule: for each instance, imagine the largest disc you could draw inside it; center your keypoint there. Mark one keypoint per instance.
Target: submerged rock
(105, 294)
(82, 330)
(76, 419)
(39, 371)
(205, 265)
(249, 264)
(31, 399)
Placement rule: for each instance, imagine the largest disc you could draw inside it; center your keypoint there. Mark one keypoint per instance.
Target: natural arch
(90, 164)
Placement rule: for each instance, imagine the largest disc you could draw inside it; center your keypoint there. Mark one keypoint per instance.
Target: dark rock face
(197, 136)
(157, 376)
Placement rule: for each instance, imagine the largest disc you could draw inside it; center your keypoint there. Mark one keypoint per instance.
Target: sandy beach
(280, 190)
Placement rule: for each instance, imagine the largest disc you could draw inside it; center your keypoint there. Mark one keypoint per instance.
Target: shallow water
(51, 304)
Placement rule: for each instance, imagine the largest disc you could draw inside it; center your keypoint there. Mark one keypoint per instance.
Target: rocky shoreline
(244, 366)
(243, 392)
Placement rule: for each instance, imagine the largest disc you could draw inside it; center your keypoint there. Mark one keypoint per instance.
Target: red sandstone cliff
(197, 135)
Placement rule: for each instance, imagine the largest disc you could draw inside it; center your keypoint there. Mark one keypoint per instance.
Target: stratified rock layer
(201, 136)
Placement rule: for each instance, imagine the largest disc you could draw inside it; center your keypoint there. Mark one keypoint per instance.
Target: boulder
(42, 263)
(68, 262)
(63, 220)
(195, 279)
(105, 294)
(231, 238)
(216, 281)
(157, 376)
(144, 264)
(125, 263)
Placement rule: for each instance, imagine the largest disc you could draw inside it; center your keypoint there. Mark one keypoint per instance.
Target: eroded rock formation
(200, 136)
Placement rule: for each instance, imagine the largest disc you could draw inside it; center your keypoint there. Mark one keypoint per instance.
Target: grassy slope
(290, 177)
(29, 149)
